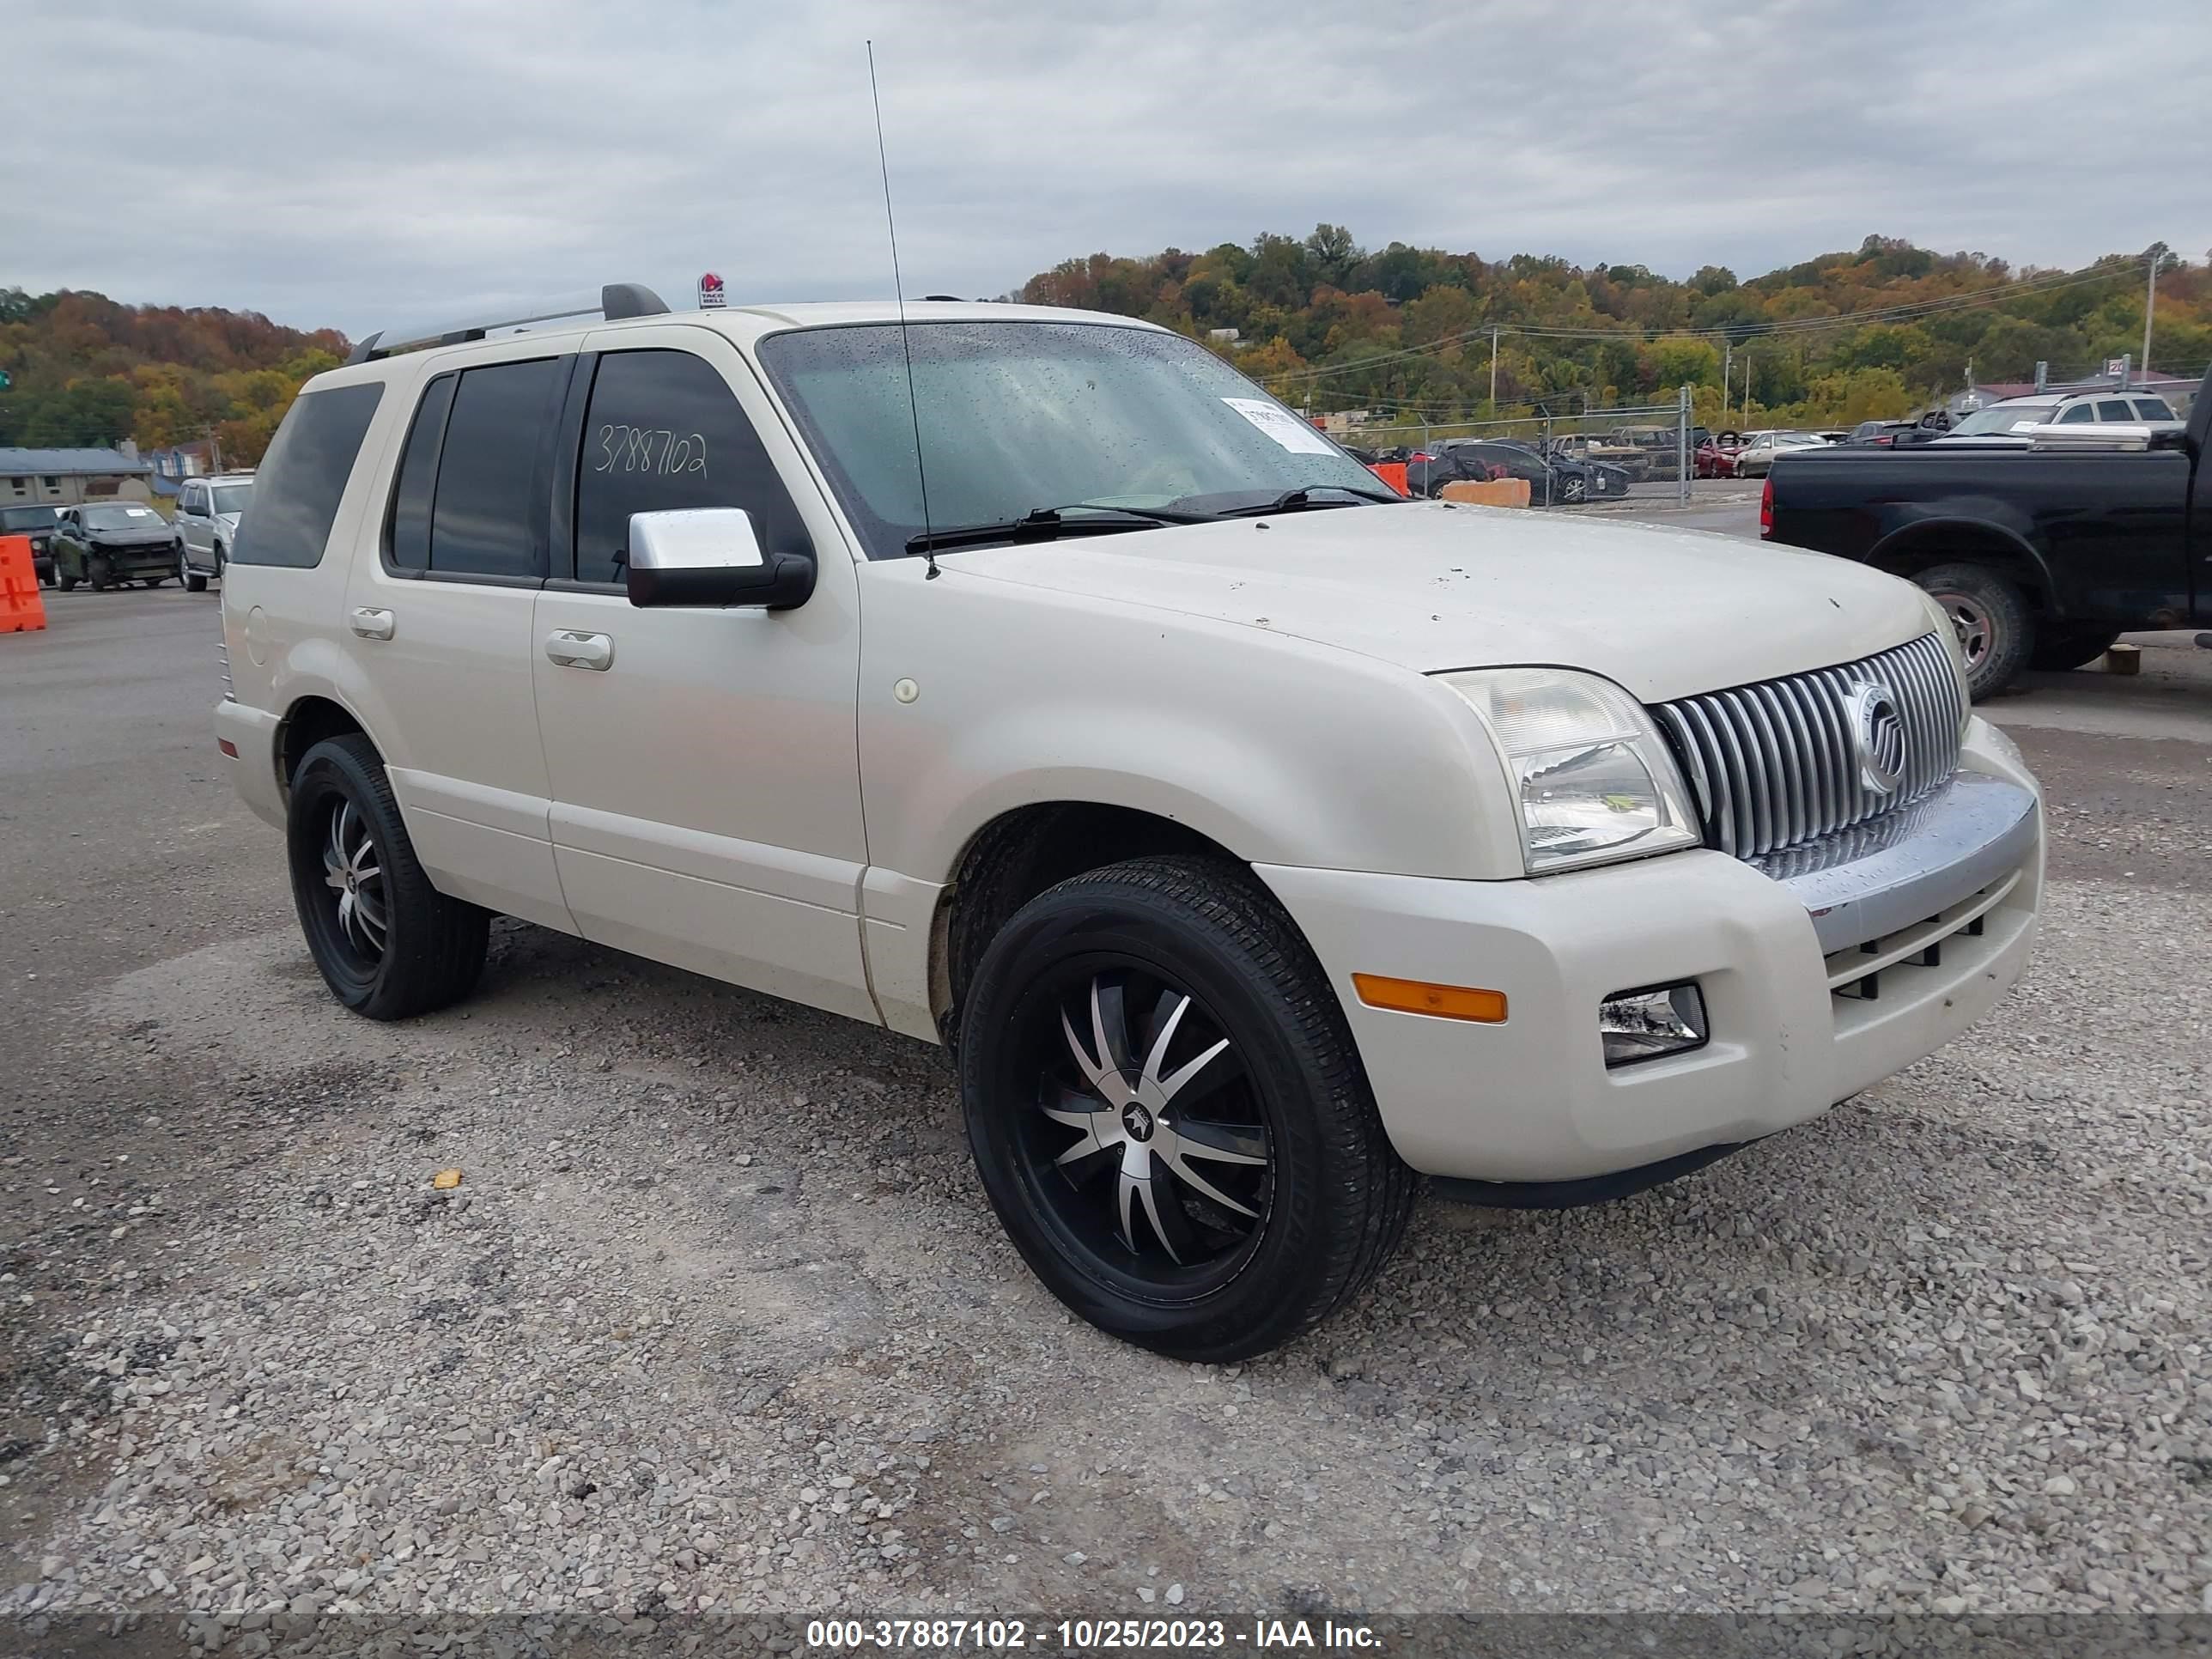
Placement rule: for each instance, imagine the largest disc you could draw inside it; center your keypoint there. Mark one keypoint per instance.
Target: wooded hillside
(87, 371)
(1840, 339)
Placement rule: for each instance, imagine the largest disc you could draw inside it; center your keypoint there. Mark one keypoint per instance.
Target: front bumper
(1819, 979)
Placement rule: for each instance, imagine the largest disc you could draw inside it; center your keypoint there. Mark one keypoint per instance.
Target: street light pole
(1493, 368)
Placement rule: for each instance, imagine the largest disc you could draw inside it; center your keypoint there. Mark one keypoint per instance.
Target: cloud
(360, 164)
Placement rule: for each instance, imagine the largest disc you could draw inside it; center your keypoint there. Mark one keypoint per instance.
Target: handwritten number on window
(647, 449)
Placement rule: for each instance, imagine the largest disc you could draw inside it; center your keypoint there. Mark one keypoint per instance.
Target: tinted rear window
(304, 475)
(486, 518)
(409, 543)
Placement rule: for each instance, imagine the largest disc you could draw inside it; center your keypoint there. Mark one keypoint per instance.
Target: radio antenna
(906, 344)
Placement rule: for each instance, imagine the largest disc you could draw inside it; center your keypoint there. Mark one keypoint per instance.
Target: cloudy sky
(358, 163)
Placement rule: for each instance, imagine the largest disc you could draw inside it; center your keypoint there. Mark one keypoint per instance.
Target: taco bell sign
(710, 293)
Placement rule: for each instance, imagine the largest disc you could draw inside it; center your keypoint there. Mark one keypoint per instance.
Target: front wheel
(187, 577)
(1169, 1115)
(388, 943)
(65, 581)
(1573, 490)
(1995, 627)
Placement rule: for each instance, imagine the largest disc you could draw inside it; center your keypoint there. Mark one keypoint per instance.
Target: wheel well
(1018, 855)
(1925, 546)
(307, 723)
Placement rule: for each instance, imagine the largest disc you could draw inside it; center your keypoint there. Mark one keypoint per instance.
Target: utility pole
(1728, 362)
(1493, 368)
(2150, 304)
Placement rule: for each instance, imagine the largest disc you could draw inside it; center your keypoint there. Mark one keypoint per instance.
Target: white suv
(207, 513)
(1257, 838)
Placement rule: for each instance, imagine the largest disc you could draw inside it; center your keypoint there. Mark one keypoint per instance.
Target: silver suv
(208, 512)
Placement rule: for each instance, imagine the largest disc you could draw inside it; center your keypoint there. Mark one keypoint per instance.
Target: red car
(1716, 457)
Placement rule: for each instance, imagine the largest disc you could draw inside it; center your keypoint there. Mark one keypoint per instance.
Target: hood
(227, 521)
(159, 535)
(1433, 585)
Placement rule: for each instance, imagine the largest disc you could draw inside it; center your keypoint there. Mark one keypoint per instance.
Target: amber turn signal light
(1416, 996)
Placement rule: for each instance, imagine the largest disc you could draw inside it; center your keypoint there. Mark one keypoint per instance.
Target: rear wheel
(65, 580)
(2061, 647)
(187, 577)
(388, 943)
(1168, 1113)
(1995, 627)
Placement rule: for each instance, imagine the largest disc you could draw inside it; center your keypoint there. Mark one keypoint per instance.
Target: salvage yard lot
(718, 1317)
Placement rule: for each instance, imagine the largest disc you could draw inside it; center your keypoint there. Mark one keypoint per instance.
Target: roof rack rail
(616, 301)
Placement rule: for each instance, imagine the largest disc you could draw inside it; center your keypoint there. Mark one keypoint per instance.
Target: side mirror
(711, 555)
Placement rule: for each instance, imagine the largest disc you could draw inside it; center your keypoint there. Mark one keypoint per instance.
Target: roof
(747, 323)
(71, 463)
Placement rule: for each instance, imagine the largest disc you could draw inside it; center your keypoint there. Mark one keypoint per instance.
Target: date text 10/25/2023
(1087, 1635)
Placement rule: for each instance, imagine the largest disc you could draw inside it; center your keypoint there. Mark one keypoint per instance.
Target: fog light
(1645, 1025)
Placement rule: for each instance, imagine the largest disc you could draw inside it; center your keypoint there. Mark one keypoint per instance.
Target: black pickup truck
(2043, 556)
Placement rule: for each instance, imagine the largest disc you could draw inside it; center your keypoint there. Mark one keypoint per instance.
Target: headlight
(1596, 779)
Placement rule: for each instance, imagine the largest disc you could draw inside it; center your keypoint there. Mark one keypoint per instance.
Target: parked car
(2011, 422)
(2041, 549)
(1881, 435)
(37, 523)
(1587, 448)
(1555, 481)
(1761, 448)
(1659, 447)
(208, 512)
(109, 543)
(1246, 864)
(1716, 455)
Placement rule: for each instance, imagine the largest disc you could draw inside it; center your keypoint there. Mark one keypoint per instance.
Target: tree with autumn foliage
(1843, 336)
(89, 372)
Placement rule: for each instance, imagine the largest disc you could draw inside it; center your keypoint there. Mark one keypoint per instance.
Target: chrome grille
(1776, 764)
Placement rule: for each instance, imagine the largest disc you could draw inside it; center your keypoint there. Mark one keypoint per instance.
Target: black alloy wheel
(388, 943)
(1168, 1113)
(1148, 1148)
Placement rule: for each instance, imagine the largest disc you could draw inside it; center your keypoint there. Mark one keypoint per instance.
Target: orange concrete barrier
(1392, 473)
(22, 609)
(1496, 492)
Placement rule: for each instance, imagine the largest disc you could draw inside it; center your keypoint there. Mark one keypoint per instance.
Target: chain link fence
(1569, 457)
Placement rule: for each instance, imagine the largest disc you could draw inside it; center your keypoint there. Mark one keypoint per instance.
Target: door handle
(372, 624)
(573, 650)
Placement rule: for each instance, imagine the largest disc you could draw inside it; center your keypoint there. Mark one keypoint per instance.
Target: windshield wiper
(1305, 497)
(1049, 523)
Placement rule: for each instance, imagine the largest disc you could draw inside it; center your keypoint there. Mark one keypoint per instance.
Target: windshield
(26, 518)
(2002, 417)
(119, 518)
(232, 498)
(1017, 418)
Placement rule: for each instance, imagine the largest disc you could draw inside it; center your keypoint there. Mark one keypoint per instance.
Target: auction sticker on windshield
(1284, 427)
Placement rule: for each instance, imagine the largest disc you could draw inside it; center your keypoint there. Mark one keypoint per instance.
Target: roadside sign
(2116, 365)
(711, 297)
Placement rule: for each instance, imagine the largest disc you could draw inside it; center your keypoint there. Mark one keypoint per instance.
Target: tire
(402, 948)
(1994, 624)
(63, 580)
(187, 577)
(2062, 646)
(218, 561)
(1305, 1224)
(1573, 490)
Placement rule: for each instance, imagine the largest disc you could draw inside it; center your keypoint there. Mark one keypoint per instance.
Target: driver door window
(663, 431)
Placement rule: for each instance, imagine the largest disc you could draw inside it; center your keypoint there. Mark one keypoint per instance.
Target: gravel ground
(716, 1319)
